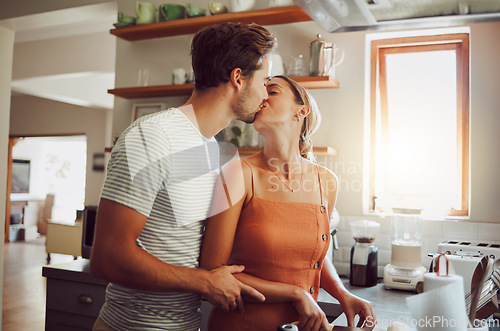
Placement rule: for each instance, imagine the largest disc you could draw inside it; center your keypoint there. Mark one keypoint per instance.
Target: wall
(83, 53)
(33, 116)
(6, 54)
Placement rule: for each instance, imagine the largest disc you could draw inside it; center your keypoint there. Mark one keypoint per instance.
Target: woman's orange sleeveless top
(278, 241)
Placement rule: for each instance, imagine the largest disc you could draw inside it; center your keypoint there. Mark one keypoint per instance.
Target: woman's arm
(218, 243)
(330, 281)
(351, 304)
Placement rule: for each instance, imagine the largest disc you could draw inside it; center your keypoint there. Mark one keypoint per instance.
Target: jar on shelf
(297, 67)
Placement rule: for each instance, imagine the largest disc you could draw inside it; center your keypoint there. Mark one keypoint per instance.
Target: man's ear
(236, 78)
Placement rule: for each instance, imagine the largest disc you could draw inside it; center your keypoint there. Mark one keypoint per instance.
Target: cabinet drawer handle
(85, 299)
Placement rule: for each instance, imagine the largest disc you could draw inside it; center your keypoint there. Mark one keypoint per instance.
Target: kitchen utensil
(496, 265)
(217, 8)
(364, 254)
(485, 262)
(145, 12)
(488, 303)
(324, 57)
(193, 11)
(477, 286)
(242, 5)
(171, 11)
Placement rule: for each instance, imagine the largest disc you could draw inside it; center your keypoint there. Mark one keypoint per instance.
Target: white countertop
(389, 305)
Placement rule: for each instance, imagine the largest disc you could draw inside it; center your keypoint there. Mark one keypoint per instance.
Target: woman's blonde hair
(311, 121)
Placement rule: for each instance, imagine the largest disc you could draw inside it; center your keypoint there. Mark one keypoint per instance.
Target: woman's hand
(353, 305)
(311, 316)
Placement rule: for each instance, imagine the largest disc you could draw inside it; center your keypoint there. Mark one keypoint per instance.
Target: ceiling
(86, 89)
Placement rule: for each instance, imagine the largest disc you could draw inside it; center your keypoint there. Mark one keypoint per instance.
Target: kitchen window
(419, 124)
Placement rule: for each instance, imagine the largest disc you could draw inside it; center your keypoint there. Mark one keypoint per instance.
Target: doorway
(46, 180)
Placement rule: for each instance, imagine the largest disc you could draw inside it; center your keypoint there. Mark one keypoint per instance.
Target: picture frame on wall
(141, 109)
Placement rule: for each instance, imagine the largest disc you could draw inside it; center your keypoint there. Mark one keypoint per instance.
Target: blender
(405, 270)
(364, 253)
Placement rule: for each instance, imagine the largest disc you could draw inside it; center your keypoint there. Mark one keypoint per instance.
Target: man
(159, 187)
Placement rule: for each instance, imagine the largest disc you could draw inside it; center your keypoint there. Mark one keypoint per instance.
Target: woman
(278, 226)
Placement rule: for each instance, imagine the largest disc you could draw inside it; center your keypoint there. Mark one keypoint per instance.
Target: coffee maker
(364, 260)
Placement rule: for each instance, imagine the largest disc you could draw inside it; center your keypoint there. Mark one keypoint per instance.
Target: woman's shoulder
(323, 171)
(239, 167)
(328, 177)
(250, 161)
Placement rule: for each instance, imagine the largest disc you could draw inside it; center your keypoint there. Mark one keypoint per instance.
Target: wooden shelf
(318, 151)
(313, 82)
(268, 16)
(152, 91)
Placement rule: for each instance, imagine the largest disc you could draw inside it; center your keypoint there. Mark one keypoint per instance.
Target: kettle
(145, 11)
(324, 57)
(242, 5)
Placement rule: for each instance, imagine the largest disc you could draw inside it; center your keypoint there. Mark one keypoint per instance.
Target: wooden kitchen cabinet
(74, 297)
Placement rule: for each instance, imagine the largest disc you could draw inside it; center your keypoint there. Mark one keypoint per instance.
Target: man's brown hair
(218, 49)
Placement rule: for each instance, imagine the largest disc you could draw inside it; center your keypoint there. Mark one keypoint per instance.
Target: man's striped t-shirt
(164, 168)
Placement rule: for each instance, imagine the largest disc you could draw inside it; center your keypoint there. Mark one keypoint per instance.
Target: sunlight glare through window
(421, 160)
